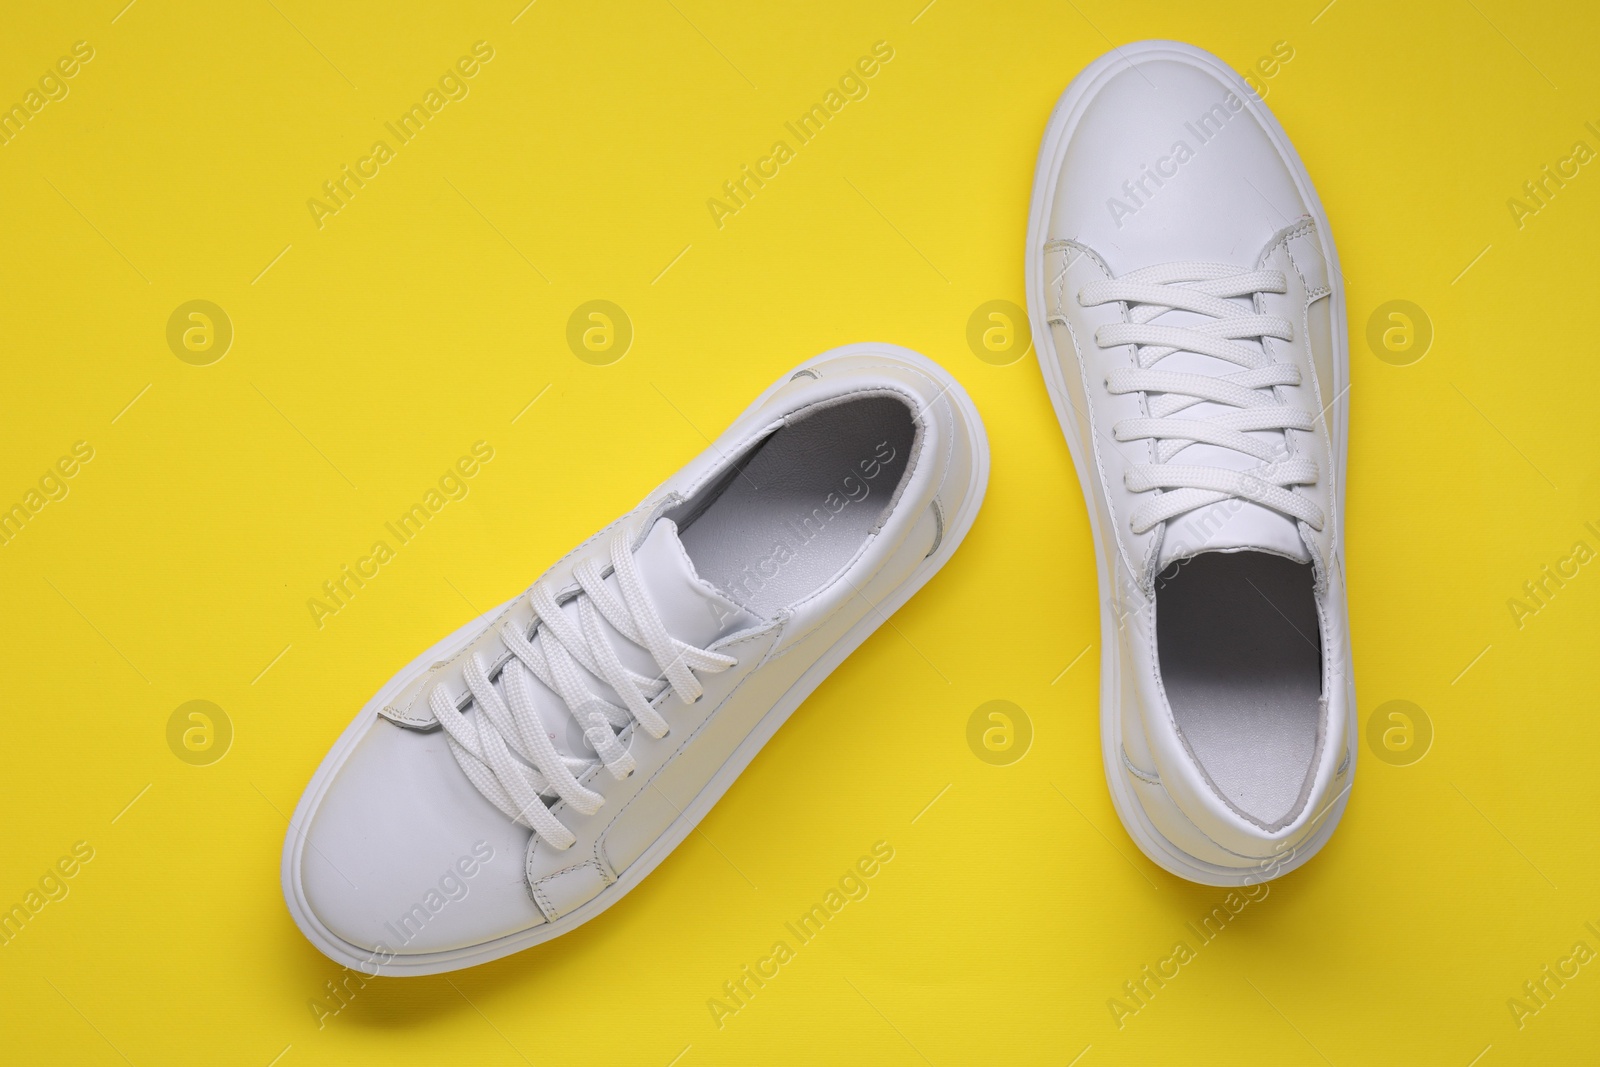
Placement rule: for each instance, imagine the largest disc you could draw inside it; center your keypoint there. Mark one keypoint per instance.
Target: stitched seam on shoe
(605, 831)
(1149, 777)
(565, 870)
(546, 907)
(1291, 445)
(1083, 375)
(441, 666)
(1308, 228)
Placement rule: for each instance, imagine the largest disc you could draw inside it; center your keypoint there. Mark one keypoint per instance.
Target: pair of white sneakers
(1188, 313)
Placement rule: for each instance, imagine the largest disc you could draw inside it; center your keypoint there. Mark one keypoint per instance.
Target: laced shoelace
(487, 744)
(1206, 289)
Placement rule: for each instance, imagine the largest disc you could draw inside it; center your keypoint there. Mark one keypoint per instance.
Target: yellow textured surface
(374, 345)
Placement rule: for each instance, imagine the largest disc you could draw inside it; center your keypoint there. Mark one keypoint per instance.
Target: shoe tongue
(692, 610)
(1231, 524)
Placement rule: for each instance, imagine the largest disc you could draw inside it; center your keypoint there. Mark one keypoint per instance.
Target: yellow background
(431, 310)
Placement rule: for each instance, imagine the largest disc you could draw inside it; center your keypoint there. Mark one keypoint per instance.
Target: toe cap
(1171, 159)
(402, 855)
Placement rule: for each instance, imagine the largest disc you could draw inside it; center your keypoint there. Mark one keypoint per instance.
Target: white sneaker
(1189, 313)
(590, 723)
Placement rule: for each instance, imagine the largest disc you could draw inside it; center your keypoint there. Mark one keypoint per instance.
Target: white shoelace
(1205, 289)
(487, 744)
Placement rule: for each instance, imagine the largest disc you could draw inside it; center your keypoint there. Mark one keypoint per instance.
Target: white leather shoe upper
(820, 510)
(1183, 281)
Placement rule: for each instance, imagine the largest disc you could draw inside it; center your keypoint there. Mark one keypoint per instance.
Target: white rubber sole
(1058, 132)
(956, 526)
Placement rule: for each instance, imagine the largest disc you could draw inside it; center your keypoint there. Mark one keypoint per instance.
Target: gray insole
(801, 504)
(1241, 661)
